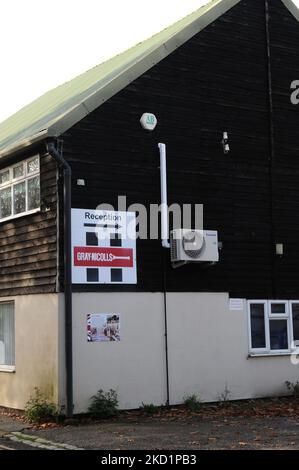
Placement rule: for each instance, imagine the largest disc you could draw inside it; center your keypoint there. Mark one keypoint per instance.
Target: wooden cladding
(28, 245)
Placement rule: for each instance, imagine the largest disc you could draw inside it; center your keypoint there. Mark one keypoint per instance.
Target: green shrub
(192, 402)
(293, 388)
(104, 404)
(39, 409)
(150, 409)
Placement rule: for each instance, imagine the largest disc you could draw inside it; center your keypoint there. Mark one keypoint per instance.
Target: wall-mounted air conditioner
(194, 245)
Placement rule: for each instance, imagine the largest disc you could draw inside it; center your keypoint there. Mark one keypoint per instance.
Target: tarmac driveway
(271, 424)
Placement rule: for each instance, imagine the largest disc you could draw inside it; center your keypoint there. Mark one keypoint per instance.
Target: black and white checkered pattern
(92, 274)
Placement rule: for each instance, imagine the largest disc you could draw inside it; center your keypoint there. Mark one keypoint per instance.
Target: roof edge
(22, 144)
(64, 122)
(290, 5)
(133, 70)
(141, 65)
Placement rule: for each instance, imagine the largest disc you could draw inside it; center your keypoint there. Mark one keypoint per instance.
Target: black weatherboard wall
(28, 245)
(217, 81)
(284, 37)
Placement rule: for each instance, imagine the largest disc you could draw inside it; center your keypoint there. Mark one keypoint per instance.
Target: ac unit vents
(194, 246)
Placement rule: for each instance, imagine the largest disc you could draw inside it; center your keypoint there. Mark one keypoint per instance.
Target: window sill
(10, 369)
(253, 355)
(22, 214)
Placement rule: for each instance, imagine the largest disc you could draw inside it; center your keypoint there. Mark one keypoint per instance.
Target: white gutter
(164, 205)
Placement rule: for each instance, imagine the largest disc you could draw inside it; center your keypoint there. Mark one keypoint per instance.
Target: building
(228, 68)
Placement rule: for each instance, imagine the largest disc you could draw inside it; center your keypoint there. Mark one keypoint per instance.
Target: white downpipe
(164, 205)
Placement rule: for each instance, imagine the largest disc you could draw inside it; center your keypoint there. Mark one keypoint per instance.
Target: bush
(293, 388)
(150, 409)
(39, 409)
(192, 403)
(104, 404)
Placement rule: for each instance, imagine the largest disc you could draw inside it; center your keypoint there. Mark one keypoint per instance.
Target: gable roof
(61, 108)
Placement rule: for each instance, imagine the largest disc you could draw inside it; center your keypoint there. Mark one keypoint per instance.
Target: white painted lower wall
(209, 345)
(134, 366)
(208, 351)
(37, 351)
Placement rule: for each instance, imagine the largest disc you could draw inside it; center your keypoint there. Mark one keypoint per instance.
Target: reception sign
(103, 247)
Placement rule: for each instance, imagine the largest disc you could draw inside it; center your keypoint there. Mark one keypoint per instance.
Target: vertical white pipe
(164, 204)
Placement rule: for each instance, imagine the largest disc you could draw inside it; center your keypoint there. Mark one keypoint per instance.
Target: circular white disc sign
(148, 121)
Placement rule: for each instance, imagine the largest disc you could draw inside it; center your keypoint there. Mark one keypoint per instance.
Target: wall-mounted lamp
(225, 143)
(80, 182)
(279, 249)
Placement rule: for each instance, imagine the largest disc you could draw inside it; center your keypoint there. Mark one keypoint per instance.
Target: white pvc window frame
(269, 316)
(294, 343)
(24, 178)
(281, 315)
(266, 348)
(7, 336)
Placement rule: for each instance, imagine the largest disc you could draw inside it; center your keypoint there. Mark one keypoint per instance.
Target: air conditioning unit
(194, 245)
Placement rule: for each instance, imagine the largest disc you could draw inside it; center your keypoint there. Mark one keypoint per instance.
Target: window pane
(295, 313)
(279, 334)
(18, 171)
(7, 334)
(19, 198)
(4, 177)
(257, 319)
(278, 308)
(5, 202)
(33, 193)
(33, 165)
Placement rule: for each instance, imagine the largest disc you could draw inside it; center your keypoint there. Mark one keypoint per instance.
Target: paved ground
(10, 424)
(272, 424)
(6, 445)
(233, 433)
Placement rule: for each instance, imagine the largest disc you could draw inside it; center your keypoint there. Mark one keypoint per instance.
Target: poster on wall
(103, 327)
(103, 247)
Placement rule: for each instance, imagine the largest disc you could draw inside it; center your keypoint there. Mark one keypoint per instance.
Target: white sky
(47, 42)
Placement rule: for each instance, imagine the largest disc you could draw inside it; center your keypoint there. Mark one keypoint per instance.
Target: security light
(225, 143)
(279, 249)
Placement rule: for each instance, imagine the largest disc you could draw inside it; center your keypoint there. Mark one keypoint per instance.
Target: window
(273, 326)
(295, 321)
(7, 335)
(257, 323)
(20, 189)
